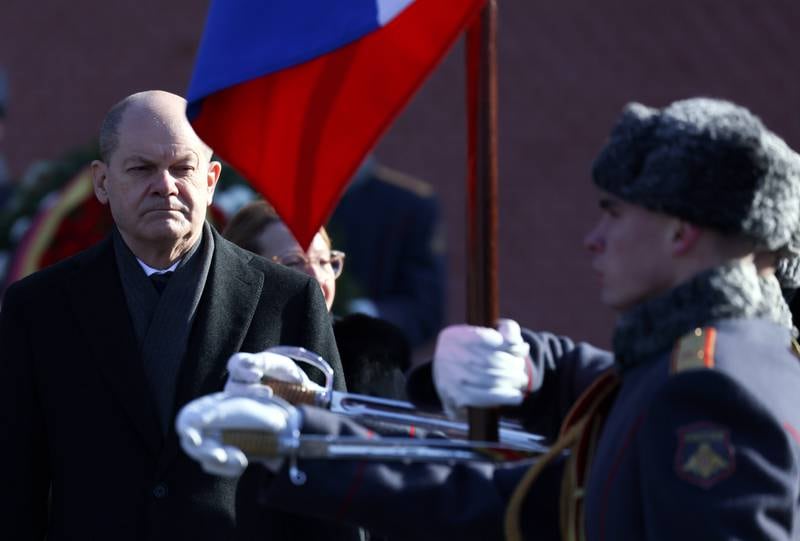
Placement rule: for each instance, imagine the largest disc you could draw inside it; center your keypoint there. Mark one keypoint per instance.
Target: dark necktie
(160, 280)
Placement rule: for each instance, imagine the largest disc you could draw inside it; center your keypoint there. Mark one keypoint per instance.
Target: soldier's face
(631, 251)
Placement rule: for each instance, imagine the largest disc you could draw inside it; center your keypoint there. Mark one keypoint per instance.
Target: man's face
(158, 181)
(632, 251)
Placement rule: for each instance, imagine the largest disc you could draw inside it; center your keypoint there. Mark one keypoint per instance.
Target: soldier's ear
(684, 237)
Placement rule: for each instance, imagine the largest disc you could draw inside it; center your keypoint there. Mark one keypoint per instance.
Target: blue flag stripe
(245, 39)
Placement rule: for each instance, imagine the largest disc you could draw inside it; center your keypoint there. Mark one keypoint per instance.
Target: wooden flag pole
(482, 291)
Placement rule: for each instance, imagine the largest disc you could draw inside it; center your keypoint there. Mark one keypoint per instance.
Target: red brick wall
(566, 69)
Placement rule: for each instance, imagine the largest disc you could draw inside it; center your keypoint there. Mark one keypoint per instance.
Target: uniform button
(160, 491)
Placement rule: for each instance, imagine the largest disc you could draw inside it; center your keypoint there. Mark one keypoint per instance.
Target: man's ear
(99, 179)
(214, 172)
(684, 237)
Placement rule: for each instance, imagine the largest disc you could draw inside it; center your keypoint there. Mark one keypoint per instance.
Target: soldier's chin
(615, 301)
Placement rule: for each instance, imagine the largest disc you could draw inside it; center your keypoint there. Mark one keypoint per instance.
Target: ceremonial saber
(263, 445)
(382, 414)
(291, 444)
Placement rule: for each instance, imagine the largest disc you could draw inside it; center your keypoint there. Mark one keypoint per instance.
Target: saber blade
(396, 416)
(265, 445)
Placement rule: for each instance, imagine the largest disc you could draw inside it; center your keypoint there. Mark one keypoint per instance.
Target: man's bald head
(156, 176)
(155, 106)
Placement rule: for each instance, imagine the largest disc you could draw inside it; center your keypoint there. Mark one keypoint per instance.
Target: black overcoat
(76, 413)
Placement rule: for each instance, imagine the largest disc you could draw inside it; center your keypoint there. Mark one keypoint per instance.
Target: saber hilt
(295, 393)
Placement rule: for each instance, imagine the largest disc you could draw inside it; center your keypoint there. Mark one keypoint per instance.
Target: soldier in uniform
(690, 431)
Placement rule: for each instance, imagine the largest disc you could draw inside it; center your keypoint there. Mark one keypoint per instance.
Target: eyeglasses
(333, 264)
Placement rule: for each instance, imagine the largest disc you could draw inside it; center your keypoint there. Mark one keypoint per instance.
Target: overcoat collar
(730, 291)
(229, 301)
(223, 318)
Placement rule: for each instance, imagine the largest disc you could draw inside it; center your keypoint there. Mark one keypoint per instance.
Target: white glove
(481, 367)
(199, 422)
(245, 371)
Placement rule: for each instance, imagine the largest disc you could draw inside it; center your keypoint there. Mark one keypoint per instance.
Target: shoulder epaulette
(401, 180)
(694, 350)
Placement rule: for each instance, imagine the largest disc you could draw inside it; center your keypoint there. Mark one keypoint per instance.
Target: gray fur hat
(710, 162)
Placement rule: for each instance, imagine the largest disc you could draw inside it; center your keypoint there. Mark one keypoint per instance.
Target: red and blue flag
(294, 93)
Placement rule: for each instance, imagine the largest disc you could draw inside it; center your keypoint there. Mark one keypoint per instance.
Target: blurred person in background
(395, 264)
(374, 352)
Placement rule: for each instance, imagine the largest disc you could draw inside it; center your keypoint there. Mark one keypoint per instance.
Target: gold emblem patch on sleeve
(705, 462)
(705, 455)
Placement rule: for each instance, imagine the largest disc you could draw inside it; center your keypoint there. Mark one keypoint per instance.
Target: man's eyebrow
(189, 156)
(136, 159)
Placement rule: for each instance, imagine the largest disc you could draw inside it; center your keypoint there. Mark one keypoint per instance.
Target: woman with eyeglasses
(256, 227)
(374, 352)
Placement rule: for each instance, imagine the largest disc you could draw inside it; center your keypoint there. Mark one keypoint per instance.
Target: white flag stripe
(388, 9)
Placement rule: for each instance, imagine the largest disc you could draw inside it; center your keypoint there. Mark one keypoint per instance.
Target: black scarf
(162, 323)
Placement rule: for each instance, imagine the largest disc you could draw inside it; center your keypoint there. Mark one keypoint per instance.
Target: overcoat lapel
(223, 317)
(99, 302)
(227, 306)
